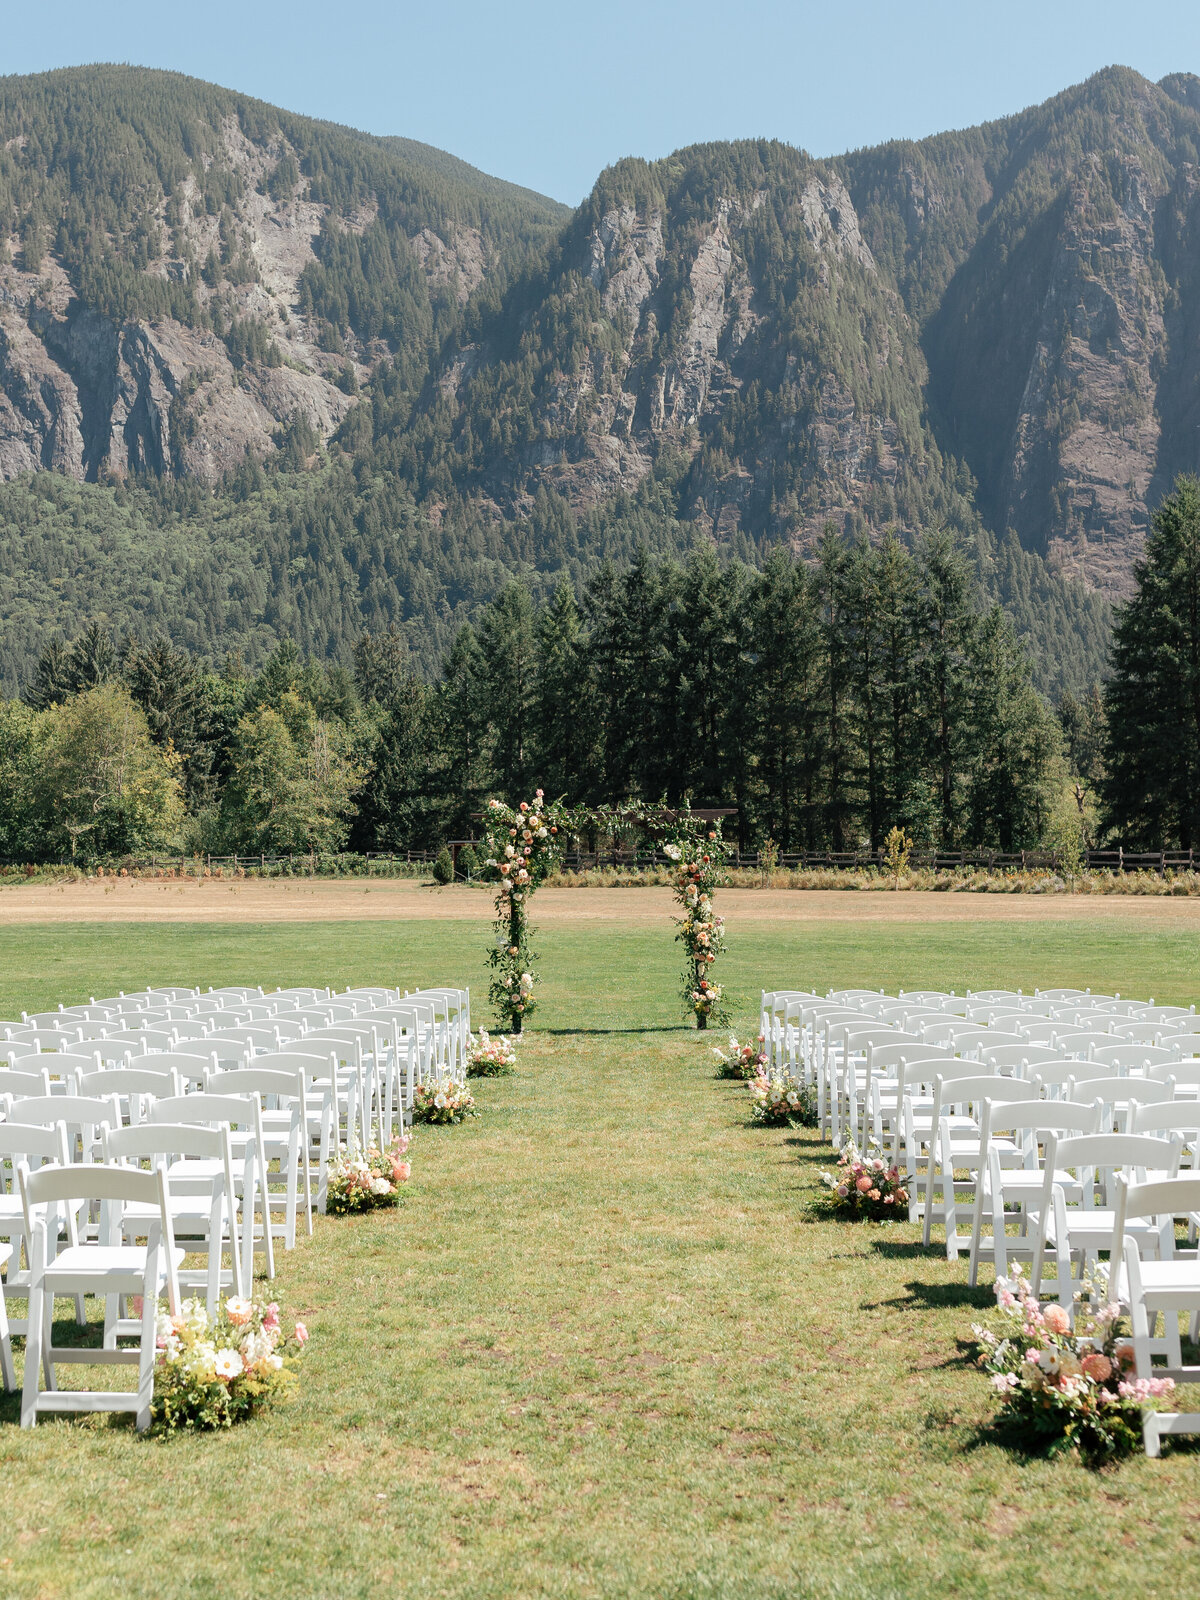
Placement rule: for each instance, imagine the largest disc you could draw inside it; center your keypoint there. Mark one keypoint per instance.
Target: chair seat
(1166, 1286)
(97, 1262)
(1022, 1181)
(1097, 1226)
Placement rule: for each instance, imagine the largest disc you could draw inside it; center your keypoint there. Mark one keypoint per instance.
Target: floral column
(522, 847)
(697, 856)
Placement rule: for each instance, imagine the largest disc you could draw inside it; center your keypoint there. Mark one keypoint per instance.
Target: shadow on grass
(567, 1033)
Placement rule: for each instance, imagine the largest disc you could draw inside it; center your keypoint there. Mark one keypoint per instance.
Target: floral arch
(524, 843)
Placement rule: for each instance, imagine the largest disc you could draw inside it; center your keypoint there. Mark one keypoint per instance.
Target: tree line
(828, 702)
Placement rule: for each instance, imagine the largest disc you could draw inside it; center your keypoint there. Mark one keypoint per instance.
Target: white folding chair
(1169, 1285)
(1018, 1187)
(202, 1200)
(1076, 1233)
(108, 1268)
(239, 1115)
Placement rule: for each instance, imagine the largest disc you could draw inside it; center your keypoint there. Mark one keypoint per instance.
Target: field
(603, 1350)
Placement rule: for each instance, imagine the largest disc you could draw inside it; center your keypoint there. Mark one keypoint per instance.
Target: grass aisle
(602, 1351)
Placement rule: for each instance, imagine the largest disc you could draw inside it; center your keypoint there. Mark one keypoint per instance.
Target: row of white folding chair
(952, 1137)
(1039, 1194)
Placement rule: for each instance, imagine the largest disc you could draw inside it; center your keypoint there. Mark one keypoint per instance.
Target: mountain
(186, 273)
(313, 380)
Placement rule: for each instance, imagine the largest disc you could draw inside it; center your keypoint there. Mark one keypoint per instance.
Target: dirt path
(388, 900)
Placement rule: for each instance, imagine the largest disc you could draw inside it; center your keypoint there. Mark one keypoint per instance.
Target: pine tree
(564, 719)
(836, 732)
(1151, 792)
(948, 629)
(783, 622)
(509, 649)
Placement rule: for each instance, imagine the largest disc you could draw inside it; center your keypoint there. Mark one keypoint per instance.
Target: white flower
(380, 1186)
(228, 1364)
(672, 852)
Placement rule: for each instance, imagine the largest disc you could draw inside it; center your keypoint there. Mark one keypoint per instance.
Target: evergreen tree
(508, 647)
(948, 630)
(784, 626)
(564, 718)
(1151, 792)
(836, 728)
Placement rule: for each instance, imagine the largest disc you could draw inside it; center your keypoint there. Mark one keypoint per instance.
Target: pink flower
(1097, 1366)
(401, 1171)
(271, 1316)
(301, 1333)
(862, 1185)
(1056, 1319)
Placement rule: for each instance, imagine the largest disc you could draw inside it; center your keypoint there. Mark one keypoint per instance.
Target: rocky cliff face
(94, 394)
(840, 341)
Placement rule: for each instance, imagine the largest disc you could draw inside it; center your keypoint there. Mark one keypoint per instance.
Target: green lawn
(602, 1351)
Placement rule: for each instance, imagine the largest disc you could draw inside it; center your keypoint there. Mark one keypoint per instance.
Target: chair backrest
(77, 1111)
(1119, 1091)
(191, 1140)
(287, 1031)
(1078, 1044)
(279, 1083)
(955, 1092)
(1045, 1116)
(205, 1107)
(24, 1084)
(991, 996)
(53, 1039)
(1106, 1153)
(1133, 1055)
(263, 1038)
(50, 1185)
(1183, 1044)
(1166, 1116)
(907, 1046)
(1023, 1059)
(136, 1080)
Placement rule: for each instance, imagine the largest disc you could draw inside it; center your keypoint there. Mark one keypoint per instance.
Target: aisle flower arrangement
(488, 1057)
(366, 1180)
(443, 1103)
(864, 1186)
(522, 844)
(697, 855)
(213, 1371)
(741, 1061)
(777, 1099)
(1061, 1389)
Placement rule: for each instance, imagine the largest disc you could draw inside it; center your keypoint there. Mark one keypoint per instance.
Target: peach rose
(1056, 1319)
(1097, 1366)
(863, 1185)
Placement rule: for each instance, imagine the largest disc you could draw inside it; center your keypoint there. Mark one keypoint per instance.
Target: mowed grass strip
(603, 1350)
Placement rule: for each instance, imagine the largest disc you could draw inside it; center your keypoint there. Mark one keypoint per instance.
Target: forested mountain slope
(185, 273)
(319, 381)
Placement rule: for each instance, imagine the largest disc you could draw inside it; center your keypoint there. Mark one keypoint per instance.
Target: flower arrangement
(522, 845)
(741, 1060)
(444, 1102)
(488, 1057)
(1061, 1388)
(865, 1186)
(365, 1180)
(776, 1099)
(213, 1371)
(698, 854)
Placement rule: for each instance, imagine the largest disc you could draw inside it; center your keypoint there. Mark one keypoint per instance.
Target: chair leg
(147, 1349)
(33, 1358)
(6, 1355)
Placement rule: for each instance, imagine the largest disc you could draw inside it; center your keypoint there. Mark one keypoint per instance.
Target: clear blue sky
(547, 94)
